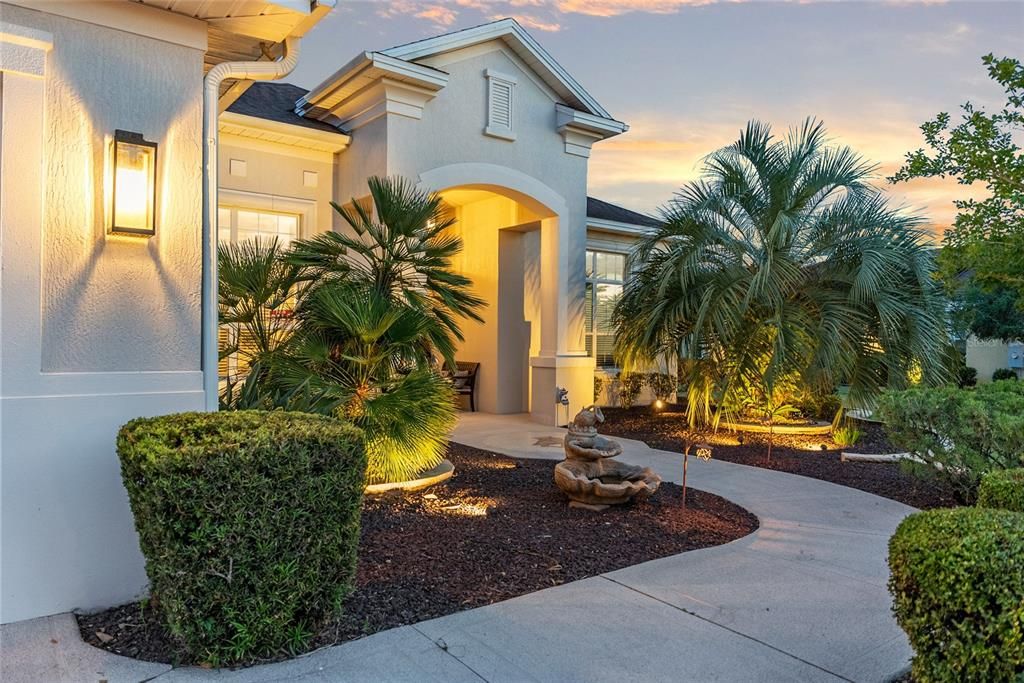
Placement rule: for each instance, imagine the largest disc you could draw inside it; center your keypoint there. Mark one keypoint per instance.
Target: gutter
(253, 71)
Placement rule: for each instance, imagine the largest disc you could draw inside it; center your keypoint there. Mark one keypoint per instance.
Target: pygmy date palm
(782, 264)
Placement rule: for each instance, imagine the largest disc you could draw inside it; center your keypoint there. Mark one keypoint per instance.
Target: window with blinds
(236, 224)
(605, 275)
(500, 105)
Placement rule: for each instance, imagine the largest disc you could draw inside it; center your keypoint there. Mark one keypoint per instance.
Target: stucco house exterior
(108, 308)
(989, 355)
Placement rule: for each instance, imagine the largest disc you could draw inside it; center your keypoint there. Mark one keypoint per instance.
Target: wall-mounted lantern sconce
(134, 206)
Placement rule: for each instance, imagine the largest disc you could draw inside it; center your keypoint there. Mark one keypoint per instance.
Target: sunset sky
(687, 75)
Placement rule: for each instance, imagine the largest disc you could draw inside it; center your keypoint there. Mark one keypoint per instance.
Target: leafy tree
(987, 238)
(782, 264)
(993, 313)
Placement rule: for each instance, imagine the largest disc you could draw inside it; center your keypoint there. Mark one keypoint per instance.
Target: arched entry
(510, 226)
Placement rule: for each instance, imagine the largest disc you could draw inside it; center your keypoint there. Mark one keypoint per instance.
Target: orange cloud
(439, 14)
(529, 21)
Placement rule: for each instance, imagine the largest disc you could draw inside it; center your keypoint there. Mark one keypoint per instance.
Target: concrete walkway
(801, 599)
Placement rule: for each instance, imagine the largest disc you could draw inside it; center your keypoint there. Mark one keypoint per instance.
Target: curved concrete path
(801, 599)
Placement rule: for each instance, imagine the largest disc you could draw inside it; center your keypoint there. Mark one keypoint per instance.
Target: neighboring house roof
(275, 101)
(606, 211)
(520, 42)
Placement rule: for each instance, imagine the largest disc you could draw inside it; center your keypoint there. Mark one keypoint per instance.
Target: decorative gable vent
(501, 90)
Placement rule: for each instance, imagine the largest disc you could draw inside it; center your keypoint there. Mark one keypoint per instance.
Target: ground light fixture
(134, 185)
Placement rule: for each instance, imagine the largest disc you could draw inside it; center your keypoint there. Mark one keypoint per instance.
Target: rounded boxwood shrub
(1003, 489)
(1003, 374)
(249, 522)
(958, 591)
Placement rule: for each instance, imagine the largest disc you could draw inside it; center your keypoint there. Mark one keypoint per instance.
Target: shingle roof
(613, 212)
(276, 102)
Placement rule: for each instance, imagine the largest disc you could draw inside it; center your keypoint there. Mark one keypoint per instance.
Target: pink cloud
(530, 21)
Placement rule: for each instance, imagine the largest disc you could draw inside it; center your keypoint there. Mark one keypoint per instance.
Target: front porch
(530, 343)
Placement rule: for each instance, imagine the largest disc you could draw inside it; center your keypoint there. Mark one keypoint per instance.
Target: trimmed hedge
(1003, 490)
(958, 591)
(249, 522)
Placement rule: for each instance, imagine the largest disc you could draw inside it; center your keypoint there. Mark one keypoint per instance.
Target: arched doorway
(524, 250)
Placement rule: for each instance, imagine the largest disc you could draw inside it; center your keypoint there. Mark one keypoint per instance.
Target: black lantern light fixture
(134, 188)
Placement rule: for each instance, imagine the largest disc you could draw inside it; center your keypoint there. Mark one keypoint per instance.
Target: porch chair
(464, 379)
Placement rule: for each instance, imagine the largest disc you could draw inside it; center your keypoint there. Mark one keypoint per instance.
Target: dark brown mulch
(802, 455)
(499, 528)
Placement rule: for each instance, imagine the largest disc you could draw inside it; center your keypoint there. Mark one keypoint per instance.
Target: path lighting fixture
(134, 185)
(658, 405)
(562, 401)
(703, 452)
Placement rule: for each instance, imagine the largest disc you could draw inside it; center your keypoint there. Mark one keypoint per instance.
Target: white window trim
(497, 78)
(257, 201)
(590, 280)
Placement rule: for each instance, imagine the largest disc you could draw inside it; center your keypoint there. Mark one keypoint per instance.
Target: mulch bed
(797, 454)
(499, 528)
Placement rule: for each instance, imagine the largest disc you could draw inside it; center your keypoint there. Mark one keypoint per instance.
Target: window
(605, 275)
(500, 101)
(236, 224)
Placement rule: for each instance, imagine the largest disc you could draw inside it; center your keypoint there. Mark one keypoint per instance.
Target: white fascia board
(243, 125)
(503, 28)
(605, 127)
(372, 66)
(617, 227)
(304, 6)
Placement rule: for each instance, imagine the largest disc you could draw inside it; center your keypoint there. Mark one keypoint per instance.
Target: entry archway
(515, 231)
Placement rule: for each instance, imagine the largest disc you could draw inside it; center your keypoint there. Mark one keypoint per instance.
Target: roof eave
(502, 28)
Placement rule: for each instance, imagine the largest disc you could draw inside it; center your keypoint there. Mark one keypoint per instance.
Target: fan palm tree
(782, 264)
(256, 292)
(361, 356)
(371, 310)
(402, 250)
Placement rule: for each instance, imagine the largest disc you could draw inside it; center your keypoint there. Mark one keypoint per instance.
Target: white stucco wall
(95, 329)
(986, 356)
(276, 171)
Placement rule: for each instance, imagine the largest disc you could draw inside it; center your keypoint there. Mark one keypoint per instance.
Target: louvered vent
(500, 105)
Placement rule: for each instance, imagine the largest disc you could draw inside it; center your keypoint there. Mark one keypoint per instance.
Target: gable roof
(520, 42)
(606, 211)
(275, 101)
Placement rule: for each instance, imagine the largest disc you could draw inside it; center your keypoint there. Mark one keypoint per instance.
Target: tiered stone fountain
(590, 476)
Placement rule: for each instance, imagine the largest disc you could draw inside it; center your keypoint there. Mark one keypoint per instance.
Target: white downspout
(253, 71)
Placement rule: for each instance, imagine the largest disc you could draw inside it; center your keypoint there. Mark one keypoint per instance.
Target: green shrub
(820, 406)
(846, 436)
(967, 376)
(598, 386)
(958, 591)
(1002, 489)
(630, 386)
(249, 522)
(1002, 374)
(959, 433)
(663, 385)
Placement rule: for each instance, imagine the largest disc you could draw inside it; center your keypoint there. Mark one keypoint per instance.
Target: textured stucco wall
(94, 330)
(98, 286)
(366, 155)
(987, 356)
(280, 174)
